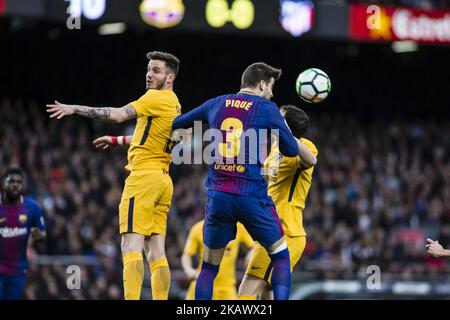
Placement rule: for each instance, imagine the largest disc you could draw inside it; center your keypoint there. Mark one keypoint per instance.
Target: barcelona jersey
(16, 222)
(246, 123)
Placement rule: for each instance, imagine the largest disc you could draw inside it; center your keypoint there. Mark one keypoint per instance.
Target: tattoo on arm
(131, 113)
(93, 113)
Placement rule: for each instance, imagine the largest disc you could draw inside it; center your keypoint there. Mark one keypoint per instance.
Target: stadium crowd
(380, 188)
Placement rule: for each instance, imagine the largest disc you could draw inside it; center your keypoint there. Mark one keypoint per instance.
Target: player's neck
(249, 91)
(167, 87)
(10, 201)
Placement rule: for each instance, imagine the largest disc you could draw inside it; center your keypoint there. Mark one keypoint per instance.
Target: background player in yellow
(289, 183)
(148, 189)
(225, 282)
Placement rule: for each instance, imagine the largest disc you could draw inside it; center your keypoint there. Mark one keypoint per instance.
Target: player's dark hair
(172, 62)
(259, 71)
(296, 119)
(12, 170)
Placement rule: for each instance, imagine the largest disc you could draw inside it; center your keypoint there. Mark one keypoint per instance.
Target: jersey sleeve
(37, 220)
(149, 104)
(287, 144)
(200, 113)
(244, 237)
(193, 241)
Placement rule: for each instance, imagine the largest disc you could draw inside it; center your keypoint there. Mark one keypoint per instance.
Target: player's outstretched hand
(60, 110)
(103, 142)
(434, 248)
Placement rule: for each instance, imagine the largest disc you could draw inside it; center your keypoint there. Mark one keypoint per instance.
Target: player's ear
(262, 85)
(170, 78)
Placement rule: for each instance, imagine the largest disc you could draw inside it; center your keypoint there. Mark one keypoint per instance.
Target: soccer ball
(313, 85)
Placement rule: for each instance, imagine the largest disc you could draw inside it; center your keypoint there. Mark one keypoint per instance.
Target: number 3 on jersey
(232, 145)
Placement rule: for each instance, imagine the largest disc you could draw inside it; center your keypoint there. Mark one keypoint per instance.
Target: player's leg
(133, 264)
(190, 293)
(135, 221)
(224, 293)
(261, 221)
(2, 286)
(267, 293)
(219, 229)
(155, 243)
(252, 287)
(15, 287)
(12, 287)
(210, 268)
(257, 274)
(296, 245)
(159, 266)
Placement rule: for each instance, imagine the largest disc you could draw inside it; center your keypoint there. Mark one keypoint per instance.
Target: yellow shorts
(219, 292)
(145, 202)
(260, 266)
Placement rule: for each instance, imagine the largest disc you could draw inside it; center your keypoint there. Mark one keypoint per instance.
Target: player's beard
(157, 85)
(266, 94)
(11, 196)
(160, 84)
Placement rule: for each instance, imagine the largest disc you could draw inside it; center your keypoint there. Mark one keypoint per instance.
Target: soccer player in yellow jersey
(225, 282)
(289, 183)
(148, 189)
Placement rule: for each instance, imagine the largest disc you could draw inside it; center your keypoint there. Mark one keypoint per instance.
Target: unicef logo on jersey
(162, 13)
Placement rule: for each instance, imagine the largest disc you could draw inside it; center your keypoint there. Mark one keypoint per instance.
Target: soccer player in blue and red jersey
(237, 191)
(19, 217)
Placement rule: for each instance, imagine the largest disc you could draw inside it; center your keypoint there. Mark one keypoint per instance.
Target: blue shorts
(11, 287)
(257, 214)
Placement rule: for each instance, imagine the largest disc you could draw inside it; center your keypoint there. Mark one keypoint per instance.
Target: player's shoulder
(222, 97)
(311, 146)
(32, 203)
(269, 106)
(161, 94)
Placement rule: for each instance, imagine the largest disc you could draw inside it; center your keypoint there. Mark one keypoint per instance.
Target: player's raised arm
(307, 157)
(186, 120)
(115, 115)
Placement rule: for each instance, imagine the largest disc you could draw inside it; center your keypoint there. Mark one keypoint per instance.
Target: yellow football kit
(148, 189)
(225, 282)
(289, 183)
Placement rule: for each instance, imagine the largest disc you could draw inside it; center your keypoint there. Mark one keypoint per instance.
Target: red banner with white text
(377, 23)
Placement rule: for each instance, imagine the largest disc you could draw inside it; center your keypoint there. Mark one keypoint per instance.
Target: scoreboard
(277, 18)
